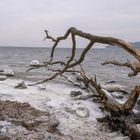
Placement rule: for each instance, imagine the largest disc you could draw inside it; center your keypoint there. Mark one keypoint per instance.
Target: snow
(55, 98)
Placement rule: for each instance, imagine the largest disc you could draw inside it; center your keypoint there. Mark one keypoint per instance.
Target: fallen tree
(118, 114)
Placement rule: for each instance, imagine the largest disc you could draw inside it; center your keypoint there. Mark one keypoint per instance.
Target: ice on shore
(6, 70)
(55, 98)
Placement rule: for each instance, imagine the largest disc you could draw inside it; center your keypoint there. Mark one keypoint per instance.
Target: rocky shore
(50, 112)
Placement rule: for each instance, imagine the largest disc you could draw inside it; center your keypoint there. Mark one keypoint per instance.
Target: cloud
(23, 22)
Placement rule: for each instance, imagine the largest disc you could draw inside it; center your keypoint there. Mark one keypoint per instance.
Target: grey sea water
(19, 58)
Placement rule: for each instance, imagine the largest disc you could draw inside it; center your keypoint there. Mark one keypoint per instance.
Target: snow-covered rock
(42, 87)
(7, 71)
(75, 93)
(35, 63)
(55, 99)
(113, 87)
(21, 85)
(82, 112)
(3, 77)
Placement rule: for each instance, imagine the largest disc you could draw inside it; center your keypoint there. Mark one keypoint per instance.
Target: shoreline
(56, 99)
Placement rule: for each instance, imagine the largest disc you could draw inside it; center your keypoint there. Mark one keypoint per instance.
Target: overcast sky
(22, 21)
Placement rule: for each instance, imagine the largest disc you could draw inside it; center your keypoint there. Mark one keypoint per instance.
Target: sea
(19, 59)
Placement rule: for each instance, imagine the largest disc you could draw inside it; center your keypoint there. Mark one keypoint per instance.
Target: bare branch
(106, 100)
(73, 49)
(49, 37)
(135, 67)
(125, 64)
(83, 54)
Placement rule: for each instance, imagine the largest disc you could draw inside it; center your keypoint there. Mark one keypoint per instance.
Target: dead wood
(135, 67)
(116, 110)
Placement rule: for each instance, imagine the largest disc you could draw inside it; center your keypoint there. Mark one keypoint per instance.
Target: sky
(22, 22)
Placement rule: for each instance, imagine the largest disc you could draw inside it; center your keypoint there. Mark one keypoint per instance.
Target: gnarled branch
(106, 100)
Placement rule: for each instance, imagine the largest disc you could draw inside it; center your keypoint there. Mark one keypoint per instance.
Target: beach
(74, 117)
(56, 100)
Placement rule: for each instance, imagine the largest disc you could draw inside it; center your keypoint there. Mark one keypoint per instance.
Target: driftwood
(119, 114)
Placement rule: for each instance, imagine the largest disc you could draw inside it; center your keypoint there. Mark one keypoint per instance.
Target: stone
(21, 85)
(117, 95)
(21, 121)
(30, 124)
(138, 126)
(34, 63)
(138, 102)
(7, 72)
(75, 93)
(42, 87)
(110, 82)
(122, 138)
(114, 88)
(82, 112)
(53, 122)
(3, 77)
(137, 118)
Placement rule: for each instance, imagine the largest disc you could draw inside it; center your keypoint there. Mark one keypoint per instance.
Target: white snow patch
(56, 98)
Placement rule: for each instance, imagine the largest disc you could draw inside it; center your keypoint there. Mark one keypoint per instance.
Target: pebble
(82, 112)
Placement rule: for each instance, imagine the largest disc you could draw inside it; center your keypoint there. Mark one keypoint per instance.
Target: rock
(78, 78)
(75, 93)
(34, 63)
(3, 77)
(30, 124)
(137, 118)
(114, 88)
(138, 126)
(7, 72)
(21, 85)
(82, 112)
(117, 95)
(138, 102)
(53, 122)
(4, 137)
(80, 84)
(42, 87)
(21, 121)
(122, 138)
(110, 82)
